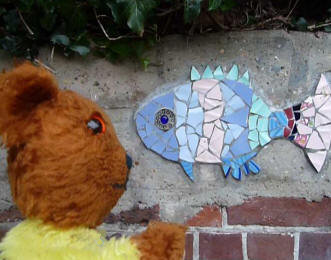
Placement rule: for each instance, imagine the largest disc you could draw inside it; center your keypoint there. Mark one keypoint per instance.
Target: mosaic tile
(213, 115)
(204, 85)
(168, 99)
(188, 168)
(219, 124)
(303, 129)
(260, 108)
(289, 113)
(172, 156)
(195, 116)
(215, 93)
(225, 150)
(278, 132)
(180, 109)
(193, 141)
(239, 117)
(207, 157)
(226, 169)
(297, 115)
(325, 110)
(325, 133)
(216, 142)
(235, 130)
(315, 142)
(150, 129)
(158, 147)
(252, 121)
(190, 129)
(244, 79)
(254, 98)
(226, 92)
(198, 129)
(262, 124)
(291, 124)
(148, 112)
(150, 140)
(140, 122)
(173, 142)
(241, 90)
(228, 111)
(183, 93)
(281, 117)
(301, 140)
(236, 103)
(323, 86)
(233, 73)
(321, 120)
(253, 144)
(218, 73)
(207, 74)
(317, 159)
(194, 100)
(203, 145)
(180, 120)
(264, 138)
(195, 75)
(309, 112)
(201, 99)
(181, 135)
(287, 132)
(236, 173)
(208, 129)
(319, 100)
(211, 103)
(142, 133)
(240, 145)
(253, 167)
(185, 154)
(253, 135)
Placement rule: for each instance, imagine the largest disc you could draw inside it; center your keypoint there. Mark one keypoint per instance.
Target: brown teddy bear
(67, 170)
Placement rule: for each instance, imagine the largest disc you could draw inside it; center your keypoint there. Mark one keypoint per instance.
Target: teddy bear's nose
(128, 161)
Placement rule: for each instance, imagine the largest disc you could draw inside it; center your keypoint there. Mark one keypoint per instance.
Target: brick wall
(260, 228)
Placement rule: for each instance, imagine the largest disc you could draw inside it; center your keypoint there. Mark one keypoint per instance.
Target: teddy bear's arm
(161, 241)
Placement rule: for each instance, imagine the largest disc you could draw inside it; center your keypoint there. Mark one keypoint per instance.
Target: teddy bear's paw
(161, 241)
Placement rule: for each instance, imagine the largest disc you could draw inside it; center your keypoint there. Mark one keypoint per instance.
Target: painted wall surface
(284, 69)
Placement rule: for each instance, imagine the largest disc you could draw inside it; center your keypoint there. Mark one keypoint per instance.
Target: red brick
(189, 247)
(220, 246)
(315, 246)
(136, 215)
(281, 212)
(271, 247)
(10, 215)
(209, 216)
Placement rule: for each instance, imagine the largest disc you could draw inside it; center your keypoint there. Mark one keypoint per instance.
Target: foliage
(113, 29)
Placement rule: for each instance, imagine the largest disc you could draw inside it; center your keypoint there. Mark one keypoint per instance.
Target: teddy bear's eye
(96, 124)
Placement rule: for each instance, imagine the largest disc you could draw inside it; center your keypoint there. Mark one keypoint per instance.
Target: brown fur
(161, 241)
(59, 171)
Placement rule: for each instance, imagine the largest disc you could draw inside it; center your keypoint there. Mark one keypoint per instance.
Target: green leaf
(327, 28)
(137, 12)
(145, 62)
(227, 5)
(82, 50)
(214, 4)
(60, 39)
(191, 10)
(117, 11)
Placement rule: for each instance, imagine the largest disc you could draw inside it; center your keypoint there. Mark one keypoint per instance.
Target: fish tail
(309, 124)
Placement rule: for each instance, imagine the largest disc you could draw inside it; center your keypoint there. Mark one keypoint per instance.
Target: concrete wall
(284, 67)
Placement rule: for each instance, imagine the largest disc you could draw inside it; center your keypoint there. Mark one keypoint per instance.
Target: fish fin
(241, 164)
(188, 168)
(195, 75)
(245, 79)
(207, 74)
(218, 73)
(233, 73)
(309, 124)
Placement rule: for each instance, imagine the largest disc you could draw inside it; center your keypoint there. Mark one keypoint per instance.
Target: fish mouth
(122, 186)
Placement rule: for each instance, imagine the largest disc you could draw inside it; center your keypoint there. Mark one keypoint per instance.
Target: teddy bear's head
(65, 163)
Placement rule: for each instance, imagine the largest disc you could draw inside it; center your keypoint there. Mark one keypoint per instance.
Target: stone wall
(282, 213)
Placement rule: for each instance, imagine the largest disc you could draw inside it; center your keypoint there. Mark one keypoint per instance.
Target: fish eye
(96, 124)
(165, 119)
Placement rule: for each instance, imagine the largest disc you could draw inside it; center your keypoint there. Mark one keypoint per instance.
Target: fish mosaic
(217, 118)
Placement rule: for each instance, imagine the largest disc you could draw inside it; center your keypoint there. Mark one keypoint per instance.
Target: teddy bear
(67, 170)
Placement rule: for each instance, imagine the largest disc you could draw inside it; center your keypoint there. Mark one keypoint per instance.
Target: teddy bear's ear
(21, 91)
(24, 88)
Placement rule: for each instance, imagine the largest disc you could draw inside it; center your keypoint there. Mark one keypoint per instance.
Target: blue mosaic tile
(228, 137)
(180, 120)
(181, 135)
(190, 130)
(195, 117)
(244, 79)
(260, 108)
(241, 90)
(166, 101)
(171, 155)
(183, 93)
(239, 117)
(150, 140)
(264, 138)
(225, 150)
(188, 168)
(180, 109)
(246, 169)
(149, 111)
(236, 103)
(185, 154)
(228, 111)
(233, 73)
(281, 117)
(253, 135)
(207, 74)
(236, 173)
(198, 129)
(253, 167)
(262, 124)
(142, 133)
(195, 75)
(194, 100)
(226, 169)
(273, 123)
(193, 141)
(235, 130)
(240, 146)
(218, 73)
(158, 147)
(173, 143)
(253, 144)
(150, 129)
(140, 122)
(252, 121)
(277, 133)
(227, 93)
